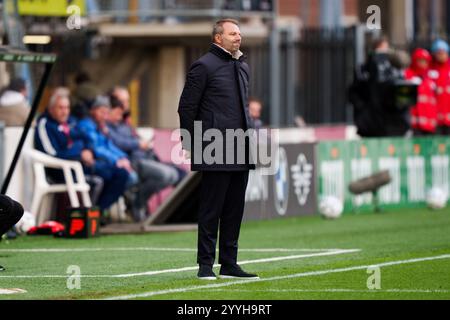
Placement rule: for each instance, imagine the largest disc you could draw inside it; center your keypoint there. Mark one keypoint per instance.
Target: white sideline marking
(321, 254)
(63, 250)
(11, 291)
(335, 291)
(151, 273)
(298, 275)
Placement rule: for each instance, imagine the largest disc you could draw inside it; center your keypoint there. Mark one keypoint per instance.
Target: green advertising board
(391, 157)
(333, 169)
(363, 157)
(415, 166)
(438, 167)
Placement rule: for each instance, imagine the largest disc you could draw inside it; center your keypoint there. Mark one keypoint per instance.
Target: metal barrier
(180, 10)
(326, 66)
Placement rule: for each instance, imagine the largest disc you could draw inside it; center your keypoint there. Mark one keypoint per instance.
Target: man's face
(60, 111)
(255, 109)
(116, 115)
(230, 39)
(100, 115)
(24, 92)
(384, 46)
(423, 64)
(441, 56)
(124, 97)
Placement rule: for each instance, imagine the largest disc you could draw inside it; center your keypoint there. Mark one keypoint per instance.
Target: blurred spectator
(172, 5)
(255, 111)
(111, 163)
(122, 94)
(56, 136)
(14, 107)
(153, 175)
(372, 93)
(440, 73)
(424, 113)
(83, 96)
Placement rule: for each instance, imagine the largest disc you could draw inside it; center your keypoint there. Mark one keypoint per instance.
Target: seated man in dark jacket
(10, 213)
(372, 93)
(153, 175)
(57, 136)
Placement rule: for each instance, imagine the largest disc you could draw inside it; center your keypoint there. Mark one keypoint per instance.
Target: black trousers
(10, 213)
(222, 200)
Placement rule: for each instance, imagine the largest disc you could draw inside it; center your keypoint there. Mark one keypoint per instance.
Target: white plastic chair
(42, 188)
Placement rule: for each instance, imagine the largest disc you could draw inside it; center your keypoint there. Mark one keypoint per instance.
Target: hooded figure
(424, 114)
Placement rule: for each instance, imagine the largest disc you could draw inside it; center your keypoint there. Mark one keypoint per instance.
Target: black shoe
(206, 272)
(235, 272)
(11, 234)
(2, 269)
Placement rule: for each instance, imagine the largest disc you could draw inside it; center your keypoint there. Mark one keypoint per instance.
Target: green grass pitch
(296, 258)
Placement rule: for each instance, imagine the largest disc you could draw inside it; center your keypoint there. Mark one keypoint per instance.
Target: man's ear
(218, 38)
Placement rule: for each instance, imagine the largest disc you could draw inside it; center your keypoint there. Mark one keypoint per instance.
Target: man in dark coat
(214, 103)
(10, 214)
(373, 93)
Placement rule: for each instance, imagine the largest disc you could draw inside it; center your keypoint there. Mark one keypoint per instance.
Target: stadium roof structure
(14, 55)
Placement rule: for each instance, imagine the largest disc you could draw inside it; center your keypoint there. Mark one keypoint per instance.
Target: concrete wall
(171, 75)
(309, 11)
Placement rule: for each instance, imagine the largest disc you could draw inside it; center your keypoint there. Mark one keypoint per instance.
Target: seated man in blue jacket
(94, 132)
(154, 175)
(57, 136)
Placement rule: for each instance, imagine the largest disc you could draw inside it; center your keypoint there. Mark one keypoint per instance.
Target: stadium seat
(41, 187)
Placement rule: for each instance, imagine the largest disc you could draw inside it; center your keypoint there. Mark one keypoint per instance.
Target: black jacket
(372, 97)
(216, 93)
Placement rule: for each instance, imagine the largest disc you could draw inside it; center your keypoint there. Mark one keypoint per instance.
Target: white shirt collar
(236, 55)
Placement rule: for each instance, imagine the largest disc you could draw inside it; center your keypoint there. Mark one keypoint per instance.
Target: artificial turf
(396, 236)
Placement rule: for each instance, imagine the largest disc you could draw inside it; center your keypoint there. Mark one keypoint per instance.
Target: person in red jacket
(440, 73)
(424, 114)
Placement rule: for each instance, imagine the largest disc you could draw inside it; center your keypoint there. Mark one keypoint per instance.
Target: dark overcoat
(216, 93)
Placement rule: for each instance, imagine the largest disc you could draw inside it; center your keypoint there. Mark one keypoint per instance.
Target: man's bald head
(123, 95)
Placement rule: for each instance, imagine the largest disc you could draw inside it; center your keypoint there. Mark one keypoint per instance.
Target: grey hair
(59, 93)
(218, 26)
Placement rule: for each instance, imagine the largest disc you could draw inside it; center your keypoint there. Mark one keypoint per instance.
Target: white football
(331, 207)
(27, 222)
(437, 198)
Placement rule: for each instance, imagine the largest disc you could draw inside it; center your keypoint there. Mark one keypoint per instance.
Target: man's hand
(87, 157)
(187, 155)
(124, 163)
(144, 145)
